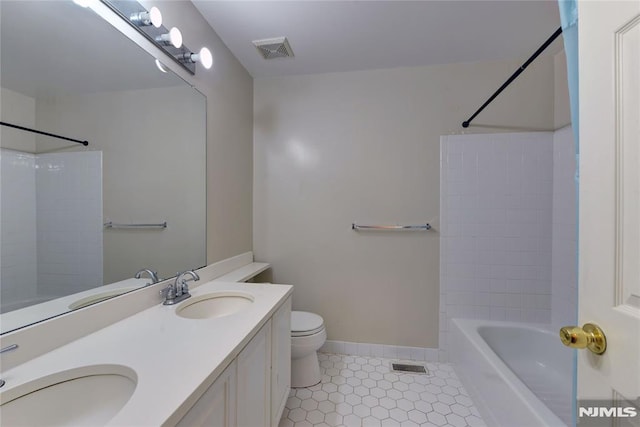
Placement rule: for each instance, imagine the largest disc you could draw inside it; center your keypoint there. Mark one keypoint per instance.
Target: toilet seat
(304, 323)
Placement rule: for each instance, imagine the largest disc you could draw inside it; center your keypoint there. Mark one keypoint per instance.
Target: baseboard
(381, 350)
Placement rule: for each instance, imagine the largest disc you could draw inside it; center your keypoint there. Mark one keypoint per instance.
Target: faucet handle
(168, 292)
(185, 287)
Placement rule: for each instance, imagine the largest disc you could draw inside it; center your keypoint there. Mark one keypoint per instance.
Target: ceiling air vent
(274, 48)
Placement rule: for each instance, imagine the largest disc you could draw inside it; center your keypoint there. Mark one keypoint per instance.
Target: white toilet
(307, 336)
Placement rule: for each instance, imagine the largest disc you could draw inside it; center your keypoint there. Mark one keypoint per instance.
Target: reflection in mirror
(66, 71)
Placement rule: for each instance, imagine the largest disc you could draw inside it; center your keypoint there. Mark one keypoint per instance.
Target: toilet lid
(305, 323)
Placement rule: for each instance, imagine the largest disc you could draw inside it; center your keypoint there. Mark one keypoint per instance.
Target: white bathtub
(517, 374)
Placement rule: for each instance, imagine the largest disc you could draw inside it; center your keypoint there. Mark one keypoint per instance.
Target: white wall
(565, 216)
(496, 203)
(20, 110)
(562, 106)
(331, 149)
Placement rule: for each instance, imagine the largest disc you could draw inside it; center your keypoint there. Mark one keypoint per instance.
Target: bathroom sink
(85, 396)
(215, 304)
(92, 299)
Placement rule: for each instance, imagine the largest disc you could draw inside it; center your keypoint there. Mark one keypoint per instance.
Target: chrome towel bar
(420, 227)
(111, 224)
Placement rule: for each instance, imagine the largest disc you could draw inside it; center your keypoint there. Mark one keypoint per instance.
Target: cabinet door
(217, 406)
(254, 381)
(280, 361)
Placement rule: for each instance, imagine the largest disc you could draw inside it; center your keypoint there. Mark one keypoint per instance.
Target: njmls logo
(609, 412)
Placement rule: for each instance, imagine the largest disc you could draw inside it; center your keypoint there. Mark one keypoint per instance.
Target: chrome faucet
(4, 350)
(179, 290)
(152, 274)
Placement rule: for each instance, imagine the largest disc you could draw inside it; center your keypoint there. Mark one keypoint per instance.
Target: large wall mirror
(76, 222)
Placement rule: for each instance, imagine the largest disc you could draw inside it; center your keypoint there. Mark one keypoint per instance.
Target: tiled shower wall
(18, 232)
(69, 222)
(564, 280)
(51, 224)
(496, 228)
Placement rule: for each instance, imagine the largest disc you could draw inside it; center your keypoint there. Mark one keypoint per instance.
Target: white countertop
(175, 359)
(245, 273)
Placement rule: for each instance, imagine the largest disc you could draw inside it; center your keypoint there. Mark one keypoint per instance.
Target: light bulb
(144, 18)
(204, 57)
(173, 37)
(160, 66)
(155, 17)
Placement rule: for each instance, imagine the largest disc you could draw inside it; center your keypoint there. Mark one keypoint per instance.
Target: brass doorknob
(590, 336)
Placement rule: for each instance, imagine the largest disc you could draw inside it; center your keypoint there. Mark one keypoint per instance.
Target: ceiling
(333, 36)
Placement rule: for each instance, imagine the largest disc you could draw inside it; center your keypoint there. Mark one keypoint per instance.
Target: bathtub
(517, 374)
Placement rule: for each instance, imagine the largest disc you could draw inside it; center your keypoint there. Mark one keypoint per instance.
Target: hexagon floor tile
(358, 391)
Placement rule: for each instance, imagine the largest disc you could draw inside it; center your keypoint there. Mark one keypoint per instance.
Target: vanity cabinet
(280, 360)
(217, 406)
(253, 389)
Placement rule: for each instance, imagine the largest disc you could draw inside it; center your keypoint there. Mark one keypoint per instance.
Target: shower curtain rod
(85, 143)
(514, 76)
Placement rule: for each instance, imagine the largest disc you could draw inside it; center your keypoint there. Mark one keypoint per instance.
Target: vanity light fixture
(149, 23)
(204, 57)
(152, 17)
(161, 66)
(173, 38)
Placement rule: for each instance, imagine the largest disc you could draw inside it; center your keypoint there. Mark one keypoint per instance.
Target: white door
(609, 208)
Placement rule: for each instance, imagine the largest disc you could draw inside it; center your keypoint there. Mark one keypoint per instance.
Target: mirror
(68, 72)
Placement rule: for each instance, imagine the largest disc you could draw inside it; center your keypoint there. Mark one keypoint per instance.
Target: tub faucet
(4, 350)
(179, 290)
(152, 274)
